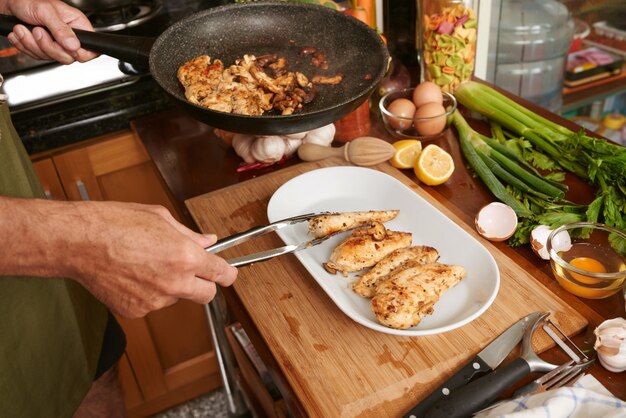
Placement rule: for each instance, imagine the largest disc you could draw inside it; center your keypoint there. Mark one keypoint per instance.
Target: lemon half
(434, 165)
(407, 153)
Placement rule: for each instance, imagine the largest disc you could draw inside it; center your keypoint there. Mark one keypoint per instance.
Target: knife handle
(481, 392)
(459, 379)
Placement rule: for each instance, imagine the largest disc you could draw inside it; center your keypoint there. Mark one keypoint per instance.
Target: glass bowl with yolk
(592, 267)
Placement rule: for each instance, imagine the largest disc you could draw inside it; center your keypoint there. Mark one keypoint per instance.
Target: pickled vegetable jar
(448, 31)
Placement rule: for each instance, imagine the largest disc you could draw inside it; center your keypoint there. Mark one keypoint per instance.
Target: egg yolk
(588, 264)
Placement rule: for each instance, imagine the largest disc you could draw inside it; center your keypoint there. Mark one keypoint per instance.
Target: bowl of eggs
(423, 112)
(586, 260)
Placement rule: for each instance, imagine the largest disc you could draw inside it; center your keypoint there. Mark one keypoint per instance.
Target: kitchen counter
(193, 161)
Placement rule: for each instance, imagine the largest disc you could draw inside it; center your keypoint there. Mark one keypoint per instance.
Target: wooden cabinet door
(49, 179)
(169, 356)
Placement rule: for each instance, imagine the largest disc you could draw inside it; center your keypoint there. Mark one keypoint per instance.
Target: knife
(484, 362)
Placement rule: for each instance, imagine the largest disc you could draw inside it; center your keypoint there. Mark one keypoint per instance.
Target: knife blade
(484, 362)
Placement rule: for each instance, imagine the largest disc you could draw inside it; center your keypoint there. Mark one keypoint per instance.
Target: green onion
(600, 162)
(466, 134)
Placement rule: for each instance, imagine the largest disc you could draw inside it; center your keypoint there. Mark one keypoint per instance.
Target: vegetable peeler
(256, 231)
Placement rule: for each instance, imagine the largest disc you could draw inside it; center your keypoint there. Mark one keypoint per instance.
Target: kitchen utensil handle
(7, 23)
(315, 152)
(481, 392)
(462, 377)
(132, 49)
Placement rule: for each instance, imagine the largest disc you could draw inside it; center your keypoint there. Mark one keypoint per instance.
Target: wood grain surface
(336, 367)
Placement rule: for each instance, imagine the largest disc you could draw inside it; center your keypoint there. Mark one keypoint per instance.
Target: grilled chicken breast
(366, 286)
(324, 225)
(409, 295)
(361, 251)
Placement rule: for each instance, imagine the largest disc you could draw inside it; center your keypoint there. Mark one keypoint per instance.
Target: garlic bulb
(299, 135)
(291, 145)
(268, 149)
(321, 136)
(242, 145)
(611, 344)
(539, 241)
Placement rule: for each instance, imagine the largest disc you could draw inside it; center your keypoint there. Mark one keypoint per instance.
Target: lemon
(434, 165)
(407, 152)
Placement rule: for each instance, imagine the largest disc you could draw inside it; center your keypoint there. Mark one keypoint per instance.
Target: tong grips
(256, 231)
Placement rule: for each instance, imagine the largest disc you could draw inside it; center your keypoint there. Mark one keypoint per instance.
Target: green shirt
(51, 330)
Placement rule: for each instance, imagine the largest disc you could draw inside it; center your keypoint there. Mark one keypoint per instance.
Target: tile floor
(211, 405)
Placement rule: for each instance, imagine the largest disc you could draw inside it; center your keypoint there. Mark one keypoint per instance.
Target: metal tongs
(256, 231)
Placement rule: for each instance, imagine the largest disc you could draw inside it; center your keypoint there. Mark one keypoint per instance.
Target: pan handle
(132, 49)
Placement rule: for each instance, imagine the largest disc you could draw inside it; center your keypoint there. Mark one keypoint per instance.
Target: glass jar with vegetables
(448, 31)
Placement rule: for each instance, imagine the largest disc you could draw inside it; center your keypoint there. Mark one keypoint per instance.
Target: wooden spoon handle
(315, 152)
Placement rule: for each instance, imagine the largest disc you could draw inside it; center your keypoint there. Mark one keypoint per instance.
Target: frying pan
(228, 32)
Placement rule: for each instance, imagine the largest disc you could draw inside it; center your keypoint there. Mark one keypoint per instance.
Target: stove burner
(125, 17)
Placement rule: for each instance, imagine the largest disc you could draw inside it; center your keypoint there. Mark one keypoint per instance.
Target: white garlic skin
(611, 344)
(291, 145)
(242, 144)
(321, 136)
(268, 149)
(539, 241)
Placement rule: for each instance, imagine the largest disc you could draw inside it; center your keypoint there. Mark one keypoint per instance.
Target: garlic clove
(611, 344)
(539, 241)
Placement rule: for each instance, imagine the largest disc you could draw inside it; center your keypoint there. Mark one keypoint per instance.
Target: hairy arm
(134, 258)
(59, 18)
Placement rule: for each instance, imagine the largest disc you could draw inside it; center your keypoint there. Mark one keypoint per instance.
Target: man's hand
(59, 18)
(134, 258)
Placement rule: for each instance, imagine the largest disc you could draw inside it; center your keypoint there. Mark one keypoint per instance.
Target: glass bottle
(355, 124)
(448, 31)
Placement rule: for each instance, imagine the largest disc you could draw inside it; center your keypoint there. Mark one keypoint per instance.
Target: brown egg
(430, 119)
(403, 108)
(427, 92)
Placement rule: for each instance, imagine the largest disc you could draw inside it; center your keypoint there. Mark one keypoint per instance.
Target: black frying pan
(228, 32)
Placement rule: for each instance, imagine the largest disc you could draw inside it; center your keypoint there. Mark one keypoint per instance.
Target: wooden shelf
(576, 97)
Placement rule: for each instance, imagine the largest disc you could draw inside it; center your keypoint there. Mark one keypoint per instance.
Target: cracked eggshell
(539, 241)
(496, 221)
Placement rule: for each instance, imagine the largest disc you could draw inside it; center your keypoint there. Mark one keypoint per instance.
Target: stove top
(36, 88)
(56, 82)
(135, 14)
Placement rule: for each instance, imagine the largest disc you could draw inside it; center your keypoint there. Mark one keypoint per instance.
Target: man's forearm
(36, 236)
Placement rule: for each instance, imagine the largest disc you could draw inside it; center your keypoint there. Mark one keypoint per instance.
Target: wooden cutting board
(336, 367)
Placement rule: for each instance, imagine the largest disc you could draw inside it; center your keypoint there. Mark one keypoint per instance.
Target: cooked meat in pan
(404, 299)
(325, 225)
(366, 286)
(251, 86)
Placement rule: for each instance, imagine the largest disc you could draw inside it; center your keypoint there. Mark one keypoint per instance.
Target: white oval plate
(349, 189)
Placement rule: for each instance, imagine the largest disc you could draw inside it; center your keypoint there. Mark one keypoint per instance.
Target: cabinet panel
(50, 182)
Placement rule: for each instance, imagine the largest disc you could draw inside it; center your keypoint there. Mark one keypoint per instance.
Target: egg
(496, 221)
(404, 108)
(587, 264)
(427, 92)
(430, 119)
